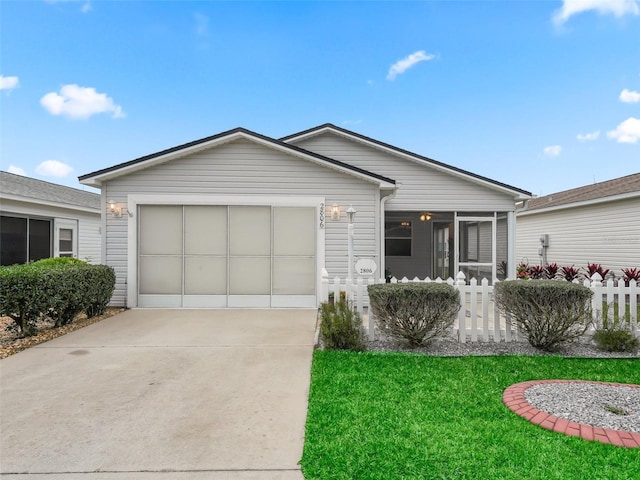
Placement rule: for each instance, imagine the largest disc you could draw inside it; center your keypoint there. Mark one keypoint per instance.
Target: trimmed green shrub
(549, 312)
(414, 312)
(22, 297)
(57, 261)
(615, 335)
(100, 283)
(59, 288)
(341, 327)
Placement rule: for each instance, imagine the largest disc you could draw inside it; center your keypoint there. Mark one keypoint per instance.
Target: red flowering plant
(570, 273)
(594, 268)
(631, 274)
(551, 270)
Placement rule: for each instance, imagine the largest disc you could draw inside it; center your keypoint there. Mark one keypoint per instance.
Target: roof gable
(407, 155)
(602, 191)
(38, 191)
(96, 178)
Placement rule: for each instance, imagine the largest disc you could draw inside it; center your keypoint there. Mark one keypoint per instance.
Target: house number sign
(322, 215)
(366, 266)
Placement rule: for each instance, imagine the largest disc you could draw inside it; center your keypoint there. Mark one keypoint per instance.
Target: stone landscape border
(514, 398)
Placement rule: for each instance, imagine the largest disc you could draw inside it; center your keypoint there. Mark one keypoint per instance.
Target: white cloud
(80, 102)
(403, 65)
(53, 168)
(627, 132)
(17, 170)
(202, 24)
(588, 136)
(552, 150)
(86, 5)
(8, 83)
(618, 8)
(629, 96)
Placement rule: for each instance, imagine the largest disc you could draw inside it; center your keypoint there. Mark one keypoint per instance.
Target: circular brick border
(514, 398)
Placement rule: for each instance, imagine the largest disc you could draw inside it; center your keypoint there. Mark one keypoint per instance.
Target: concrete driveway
(175, 394)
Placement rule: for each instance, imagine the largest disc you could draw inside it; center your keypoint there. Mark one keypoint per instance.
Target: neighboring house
(241, 219)
(42, 220)
(597, 223)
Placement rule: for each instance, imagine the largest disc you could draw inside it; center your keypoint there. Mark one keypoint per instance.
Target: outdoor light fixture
(114, 209)
(335, 212)
(351, 214)
(425, 217)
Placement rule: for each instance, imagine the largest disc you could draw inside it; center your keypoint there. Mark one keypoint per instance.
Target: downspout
(383, 200)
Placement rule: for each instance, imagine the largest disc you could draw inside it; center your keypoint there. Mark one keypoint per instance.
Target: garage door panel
(294, 231)
(160, 229)
(226, 256)
(205, 275)
(294, 276)
(249, 230)
(161, 275)
(249, 276)
(205, 230)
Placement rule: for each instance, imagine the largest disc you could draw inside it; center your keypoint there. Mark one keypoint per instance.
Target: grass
(388, 416)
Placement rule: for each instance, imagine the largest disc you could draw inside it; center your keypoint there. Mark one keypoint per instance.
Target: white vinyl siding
(244, 168)
(421, 186)
(89, 234)
(606, 233)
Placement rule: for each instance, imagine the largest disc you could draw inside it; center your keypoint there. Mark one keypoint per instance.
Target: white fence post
(462, 314)
(473, 304)
(596, 300)
(497, 318)
(633, 306)
(324, 288)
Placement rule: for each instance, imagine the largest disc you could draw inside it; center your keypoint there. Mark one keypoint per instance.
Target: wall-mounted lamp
(425, 217)
(351, 214)
(335, 212)
(115, 210)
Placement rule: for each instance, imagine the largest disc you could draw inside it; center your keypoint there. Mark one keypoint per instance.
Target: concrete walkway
(175, 394)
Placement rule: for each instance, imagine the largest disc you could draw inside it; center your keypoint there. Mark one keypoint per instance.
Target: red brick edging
(513, 397)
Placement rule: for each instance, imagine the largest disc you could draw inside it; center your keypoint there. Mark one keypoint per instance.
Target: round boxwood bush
(549, 312)
(415, 313)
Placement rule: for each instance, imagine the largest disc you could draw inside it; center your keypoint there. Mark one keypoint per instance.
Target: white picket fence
(479, 318)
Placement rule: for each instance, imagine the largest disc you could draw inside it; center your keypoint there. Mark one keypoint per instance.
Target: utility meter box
(544, 240)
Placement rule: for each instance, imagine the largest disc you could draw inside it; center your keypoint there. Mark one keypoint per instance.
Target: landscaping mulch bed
(10, 343)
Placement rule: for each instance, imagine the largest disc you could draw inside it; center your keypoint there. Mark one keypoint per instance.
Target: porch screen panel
(205, 243)
(249, 250)
(13, 240)
(160, 238)
(294, 247)
(39, 239)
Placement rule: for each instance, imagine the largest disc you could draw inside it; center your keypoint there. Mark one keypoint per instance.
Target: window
(65, 243)
(397, 234)
(24, 239)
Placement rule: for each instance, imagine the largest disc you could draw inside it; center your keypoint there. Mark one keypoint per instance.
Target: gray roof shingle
(30, 188)
(600, 190)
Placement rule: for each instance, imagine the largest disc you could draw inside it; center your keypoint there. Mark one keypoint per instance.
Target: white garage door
(226, 256)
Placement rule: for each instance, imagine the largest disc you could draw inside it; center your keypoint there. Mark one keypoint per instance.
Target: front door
(65, 238)
(476, 247)
(442, 246)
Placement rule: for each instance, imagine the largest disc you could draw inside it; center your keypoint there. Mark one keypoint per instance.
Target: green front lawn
(404, 416)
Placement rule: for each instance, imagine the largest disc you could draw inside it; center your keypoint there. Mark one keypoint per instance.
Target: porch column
(511, 245)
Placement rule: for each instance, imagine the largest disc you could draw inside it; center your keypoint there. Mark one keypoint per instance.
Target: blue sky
(541, 95)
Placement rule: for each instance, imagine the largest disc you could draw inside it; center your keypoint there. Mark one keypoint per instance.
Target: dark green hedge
(58, 288)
